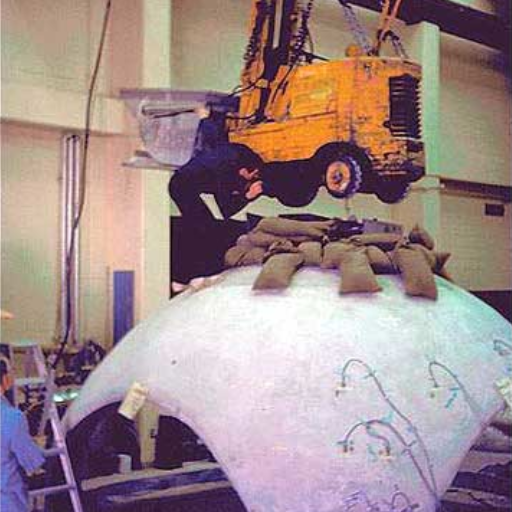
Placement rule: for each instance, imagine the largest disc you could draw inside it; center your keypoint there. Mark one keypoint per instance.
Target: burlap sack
(356, 274)
(261, 239)
(323, 225)
(234, 255)
(418, 235)
(277, 272)
(380, 261)
(429, 255)
(243, 241)
(254, 256)
(416, 273)
(238, 256)
(283, 246)
(441, 259)
(291, 228)
(334, 250)
(445, 275)
(384, 241)
(312, 252)
(440, 268)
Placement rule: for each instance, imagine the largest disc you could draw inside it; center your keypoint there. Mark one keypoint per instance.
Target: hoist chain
(356, 28)
(397, 45)
(253, 46)
(302, 32)
(395, 39)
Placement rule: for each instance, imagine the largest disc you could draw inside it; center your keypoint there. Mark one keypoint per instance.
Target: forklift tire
(392, 191)
(294, 183)
(342, 175)
(299, 198)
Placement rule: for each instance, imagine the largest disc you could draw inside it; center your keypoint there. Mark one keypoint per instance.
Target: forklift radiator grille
(404, 105)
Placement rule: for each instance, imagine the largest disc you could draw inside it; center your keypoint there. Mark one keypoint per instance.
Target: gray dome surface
(316, 402)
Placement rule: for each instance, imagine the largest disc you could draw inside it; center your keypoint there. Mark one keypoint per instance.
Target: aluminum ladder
(34, 358)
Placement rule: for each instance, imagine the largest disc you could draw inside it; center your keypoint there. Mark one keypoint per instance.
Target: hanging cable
(406, 447)
(83, 182)
(475, 409)
(501, 347)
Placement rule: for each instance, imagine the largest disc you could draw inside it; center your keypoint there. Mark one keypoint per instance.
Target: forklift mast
(274, 42)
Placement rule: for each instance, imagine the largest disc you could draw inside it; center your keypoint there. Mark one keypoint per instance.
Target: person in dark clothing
(211, 130)
(231, 172)
(234, 174)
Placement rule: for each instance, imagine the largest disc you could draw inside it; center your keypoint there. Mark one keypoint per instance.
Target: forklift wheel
(343, 176)
(391, 192)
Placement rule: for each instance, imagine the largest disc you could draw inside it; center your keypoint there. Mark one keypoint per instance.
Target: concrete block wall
(480, 244)
(47, 55)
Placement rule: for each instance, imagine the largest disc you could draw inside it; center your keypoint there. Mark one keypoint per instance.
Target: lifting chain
(386, 19)
(302, 32)
(361, 36)
(253, 46)
(397, 44)
(356, 28)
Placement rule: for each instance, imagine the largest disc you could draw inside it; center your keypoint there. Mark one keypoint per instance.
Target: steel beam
(454, 18)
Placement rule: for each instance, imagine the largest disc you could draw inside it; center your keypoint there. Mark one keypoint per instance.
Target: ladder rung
(23, 344)
(47, 491)
(29, 381)
(52, 452)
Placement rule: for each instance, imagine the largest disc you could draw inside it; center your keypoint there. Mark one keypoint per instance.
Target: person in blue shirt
(19, 454)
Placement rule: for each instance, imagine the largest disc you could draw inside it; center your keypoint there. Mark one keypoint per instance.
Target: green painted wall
(475, 113)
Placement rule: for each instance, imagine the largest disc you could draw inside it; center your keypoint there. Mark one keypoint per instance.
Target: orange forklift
(352, 124)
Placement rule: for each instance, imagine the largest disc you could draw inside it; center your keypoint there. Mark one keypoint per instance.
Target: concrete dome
(312, 401)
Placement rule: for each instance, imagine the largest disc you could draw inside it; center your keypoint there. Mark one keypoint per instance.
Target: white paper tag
(505, 388)
(133, 401)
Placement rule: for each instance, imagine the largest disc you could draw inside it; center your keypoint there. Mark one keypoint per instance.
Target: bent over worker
(231, 172)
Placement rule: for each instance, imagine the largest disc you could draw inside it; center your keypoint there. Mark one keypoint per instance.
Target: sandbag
(441, 259)
(283, 246)
(238, 256)
(445, 275)
(380, 261)
(277, 272)
(429, 255)
(234, 256)
(243, 241)
(254, 256)
(417, 275)
(312, 252)
(384, 241)
(334, 250)
(418, 235)
(263, 239)
(440, 268)
(289, 228)
(356, 274)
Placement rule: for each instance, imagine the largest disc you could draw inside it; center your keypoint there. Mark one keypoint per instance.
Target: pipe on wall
(70, 194)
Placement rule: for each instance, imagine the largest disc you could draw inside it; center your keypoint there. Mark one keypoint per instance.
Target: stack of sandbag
(352, 262)
(417, 263)
(283, 246)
